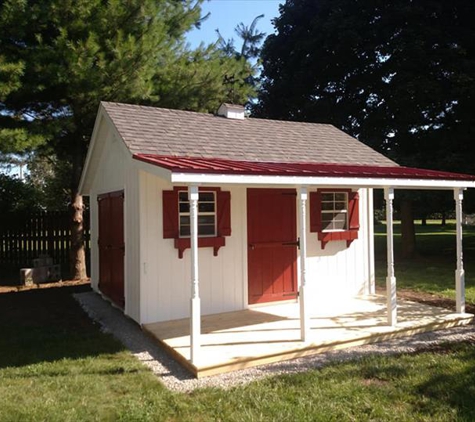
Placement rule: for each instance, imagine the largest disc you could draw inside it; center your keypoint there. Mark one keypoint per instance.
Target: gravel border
(176, 378)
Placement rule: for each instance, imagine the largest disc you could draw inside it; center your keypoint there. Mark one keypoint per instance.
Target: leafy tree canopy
(17, 195)
(60, 58)
(399, 75)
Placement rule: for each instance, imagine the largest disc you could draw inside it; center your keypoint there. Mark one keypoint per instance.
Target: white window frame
(200, 213)
(334, 210)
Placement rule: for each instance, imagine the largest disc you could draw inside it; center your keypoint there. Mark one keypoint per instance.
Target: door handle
(296, 243)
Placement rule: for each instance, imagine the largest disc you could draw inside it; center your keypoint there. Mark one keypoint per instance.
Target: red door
(272, 244)
(111, 246)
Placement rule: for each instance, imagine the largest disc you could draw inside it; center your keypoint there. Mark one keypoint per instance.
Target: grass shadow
(46, 325)
(432, 269)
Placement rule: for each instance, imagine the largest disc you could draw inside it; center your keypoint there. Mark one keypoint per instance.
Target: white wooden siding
(166, 287)
(117, 171)
(339, 271)
(336, 271)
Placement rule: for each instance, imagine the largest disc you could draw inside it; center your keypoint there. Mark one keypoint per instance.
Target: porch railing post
(304, 319)
(390, 279)
(195, 314)
(459, 272)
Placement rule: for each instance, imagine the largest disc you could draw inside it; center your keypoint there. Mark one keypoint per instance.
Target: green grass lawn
(56, 365)
(433, 269)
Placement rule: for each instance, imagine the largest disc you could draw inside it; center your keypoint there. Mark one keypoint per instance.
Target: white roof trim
(90, 150)
(95, 144)
(234, 179)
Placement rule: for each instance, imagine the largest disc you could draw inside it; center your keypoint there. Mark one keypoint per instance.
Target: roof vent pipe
(231, 111)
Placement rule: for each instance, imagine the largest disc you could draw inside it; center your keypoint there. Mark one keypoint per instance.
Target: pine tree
(60, 58)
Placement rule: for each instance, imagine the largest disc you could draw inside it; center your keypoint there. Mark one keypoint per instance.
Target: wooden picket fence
(24, 237)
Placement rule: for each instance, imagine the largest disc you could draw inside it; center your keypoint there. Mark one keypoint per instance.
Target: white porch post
(371, 288)
(390, 279)
(459, 272)
(304, 319)
(195, 316)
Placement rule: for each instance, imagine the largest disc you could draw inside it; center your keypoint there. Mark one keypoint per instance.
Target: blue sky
(225, 15)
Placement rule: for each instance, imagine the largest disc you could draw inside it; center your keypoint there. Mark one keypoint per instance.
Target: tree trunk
(77, 260)
(444, 219)
(408, 232)
(424, 220)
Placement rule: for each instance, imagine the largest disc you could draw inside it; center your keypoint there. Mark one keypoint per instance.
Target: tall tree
(59, 58)
(251, 41)
(399, 75)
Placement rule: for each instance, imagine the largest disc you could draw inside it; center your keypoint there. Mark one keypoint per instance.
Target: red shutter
(224, 213)
(170, 214)
(353, 209)
(315, 212)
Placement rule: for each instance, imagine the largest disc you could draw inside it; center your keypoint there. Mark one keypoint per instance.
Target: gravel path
(177, 378)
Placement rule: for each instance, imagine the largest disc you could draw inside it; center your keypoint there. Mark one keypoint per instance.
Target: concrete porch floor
(237, 340)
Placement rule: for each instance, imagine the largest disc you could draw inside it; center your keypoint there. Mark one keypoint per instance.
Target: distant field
(433, 268)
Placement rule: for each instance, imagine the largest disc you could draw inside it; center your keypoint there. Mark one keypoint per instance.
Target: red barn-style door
(111, 246)
(272, 244)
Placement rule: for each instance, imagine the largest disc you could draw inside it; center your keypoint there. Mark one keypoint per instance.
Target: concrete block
(40, 275)
(42, 261)
(26, 276)
(54, 272)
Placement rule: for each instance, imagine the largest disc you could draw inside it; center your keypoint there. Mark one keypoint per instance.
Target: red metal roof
(224, 166)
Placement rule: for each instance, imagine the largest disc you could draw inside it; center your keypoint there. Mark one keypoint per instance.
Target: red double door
(272, 244)
(111, 246)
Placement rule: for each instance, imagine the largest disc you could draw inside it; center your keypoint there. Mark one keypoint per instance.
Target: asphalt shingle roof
(151, 130)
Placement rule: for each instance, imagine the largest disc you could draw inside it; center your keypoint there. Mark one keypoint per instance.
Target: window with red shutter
(214, 218)
(334, 215)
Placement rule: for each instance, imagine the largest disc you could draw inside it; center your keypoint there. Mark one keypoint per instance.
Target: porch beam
(356, 182)
(195, 314)
(390, 279)
(304, 319)
(459, 272)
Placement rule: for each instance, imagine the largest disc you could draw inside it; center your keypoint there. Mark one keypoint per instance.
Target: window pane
(207, 196)
(339, 225)
(338, 203)
(327, 221)
(340, 221)
(340, 216)
(184, 207)
(340, 206)
(206, 214)
(184, 231)
(206, 207)
(327, 216)
(205, 219)
(206, 230)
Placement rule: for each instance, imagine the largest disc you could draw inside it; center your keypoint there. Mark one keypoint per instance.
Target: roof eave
(361, 182)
